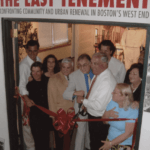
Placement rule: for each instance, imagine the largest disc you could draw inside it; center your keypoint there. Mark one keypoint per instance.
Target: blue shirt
(86, 79)
(118, 127)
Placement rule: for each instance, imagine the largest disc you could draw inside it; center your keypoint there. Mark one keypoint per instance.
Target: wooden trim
(10, 84)
(57, 46)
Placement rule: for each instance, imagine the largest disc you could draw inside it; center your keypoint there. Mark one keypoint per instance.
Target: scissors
(82, 112)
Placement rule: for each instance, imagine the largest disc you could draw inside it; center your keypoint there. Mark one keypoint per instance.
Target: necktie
(68, 78)
(91, 87)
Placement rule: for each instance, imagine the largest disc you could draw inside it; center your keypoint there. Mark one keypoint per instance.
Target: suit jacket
(56, 87)
(76, 83)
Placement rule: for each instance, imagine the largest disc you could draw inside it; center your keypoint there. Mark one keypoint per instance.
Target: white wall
(145, 132)
(3, 108)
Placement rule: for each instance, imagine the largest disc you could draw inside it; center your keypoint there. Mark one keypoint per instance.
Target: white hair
(67, 60)
(103, 57)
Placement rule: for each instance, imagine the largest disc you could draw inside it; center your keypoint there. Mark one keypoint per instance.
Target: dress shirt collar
(67, 77)
(103, 73)
(31, 61)
(91, 74)
(111, 60)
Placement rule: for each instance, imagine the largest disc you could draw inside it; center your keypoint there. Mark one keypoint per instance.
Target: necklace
(134, 88)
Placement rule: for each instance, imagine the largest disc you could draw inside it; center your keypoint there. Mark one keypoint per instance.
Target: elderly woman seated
(120, 132)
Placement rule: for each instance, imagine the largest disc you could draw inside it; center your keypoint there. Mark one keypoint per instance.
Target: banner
(133, 11)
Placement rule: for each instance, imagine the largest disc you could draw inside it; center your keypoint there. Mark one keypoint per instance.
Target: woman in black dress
(39, 121)
(140, 61)
(135, 78)
(50, 66)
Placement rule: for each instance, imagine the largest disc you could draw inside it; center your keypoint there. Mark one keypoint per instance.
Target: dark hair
(82, 56)
(56, 68)
(138, 66)
(143, 48)
(33, 43)
(107, 43)
(37, 64)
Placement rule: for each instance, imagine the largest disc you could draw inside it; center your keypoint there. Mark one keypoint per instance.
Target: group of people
(100, 86)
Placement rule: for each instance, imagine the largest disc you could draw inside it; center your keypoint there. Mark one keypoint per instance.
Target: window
(52, 34)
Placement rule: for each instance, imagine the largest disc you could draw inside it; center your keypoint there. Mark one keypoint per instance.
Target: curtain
(60, 33)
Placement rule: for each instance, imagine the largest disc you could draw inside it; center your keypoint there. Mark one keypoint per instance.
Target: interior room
(71, 40)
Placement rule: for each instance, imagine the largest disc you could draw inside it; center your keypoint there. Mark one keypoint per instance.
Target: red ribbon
(26, 109)
(64, 122)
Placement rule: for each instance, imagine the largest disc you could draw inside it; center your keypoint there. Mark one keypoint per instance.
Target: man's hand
(84, 108)
(70, 110)
(79, 98)
(135, 105)
(79, 93)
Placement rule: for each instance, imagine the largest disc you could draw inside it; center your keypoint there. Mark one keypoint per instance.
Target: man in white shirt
(32, 49)
(98, 97)
(116, 66)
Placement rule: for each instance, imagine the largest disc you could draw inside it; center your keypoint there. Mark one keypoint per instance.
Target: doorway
(12, 75)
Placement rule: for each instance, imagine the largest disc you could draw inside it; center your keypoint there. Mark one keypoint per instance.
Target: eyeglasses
(84, 65)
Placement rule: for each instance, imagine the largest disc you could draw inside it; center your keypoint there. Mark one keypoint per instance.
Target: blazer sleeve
(52, 95)
(68, 94)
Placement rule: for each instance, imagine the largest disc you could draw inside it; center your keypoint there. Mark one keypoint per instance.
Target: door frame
(9, 72)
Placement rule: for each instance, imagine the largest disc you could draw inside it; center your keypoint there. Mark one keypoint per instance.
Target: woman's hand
(112, 113)
(30, 103)
(107, 145)
(30, 79)
(135, 105)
